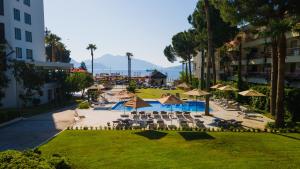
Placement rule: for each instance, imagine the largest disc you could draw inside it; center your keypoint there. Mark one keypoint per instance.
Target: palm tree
(210, 52)
(52, 40)
(92, 48)
(129, 57)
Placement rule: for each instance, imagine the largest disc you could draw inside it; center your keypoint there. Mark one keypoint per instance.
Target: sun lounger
(155, 112)
(136, 117)
(124, 115)
(163, 113)
(183, 124)
(166, 117)
(144, 117)
(180, 117)
(189, 117)
(157, 116)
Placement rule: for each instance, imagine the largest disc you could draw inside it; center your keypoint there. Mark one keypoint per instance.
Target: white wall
(36, 10)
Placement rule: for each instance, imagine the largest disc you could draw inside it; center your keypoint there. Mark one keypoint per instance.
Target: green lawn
(156, 93)
(151, 149)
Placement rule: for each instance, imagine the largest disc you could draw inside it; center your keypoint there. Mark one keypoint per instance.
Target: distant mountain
(117, 62)
(75, 63)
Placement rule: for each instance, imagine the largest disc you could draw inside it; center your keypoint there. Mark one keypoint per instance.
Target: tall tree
(209, 52)
(53, 41)
(92, 48)
(83, 66)
(129, 57)
(222, 31)
(184, 45)
(55, 49)
(278, 17)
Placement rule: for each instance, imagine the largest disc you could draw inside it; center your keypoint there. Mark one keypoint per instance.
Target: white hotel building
(22, 29)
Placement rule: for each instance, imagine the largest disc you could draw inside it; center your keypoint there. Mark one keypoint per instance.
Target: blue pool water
(191, 106)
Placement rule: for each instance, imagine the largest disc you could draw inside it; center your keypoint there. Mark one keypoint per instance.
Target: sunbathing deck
(96, 118)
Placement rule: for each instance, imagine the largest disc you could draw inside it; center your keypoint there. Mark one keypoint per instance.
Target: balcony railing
(293, 51)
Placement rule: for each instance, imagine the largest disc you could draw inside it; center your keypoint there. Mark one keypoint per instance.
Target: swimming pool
(191, 106)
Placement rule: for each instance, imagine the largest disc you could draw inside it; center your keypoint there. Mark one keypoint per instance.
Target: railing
(293, 51)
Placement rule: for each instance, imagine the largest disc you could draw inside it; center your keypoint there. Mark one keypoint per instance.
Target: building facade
(22, 32)
(256, 60)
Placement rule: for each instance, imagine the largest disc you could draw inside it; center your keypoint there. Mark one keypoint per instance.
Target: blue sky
(143, 27)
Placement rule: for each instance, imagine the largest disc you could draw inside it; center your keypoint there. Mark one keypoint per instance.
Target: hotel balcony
(293, 56)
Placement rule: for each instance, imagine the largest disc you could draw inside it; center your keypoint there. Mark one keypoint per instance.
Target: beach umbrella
(217, 86)
(136, 103)
(196, 93)
(170, 100)
(125, 95)
(251, 93)
(184, 86)
(227, 88)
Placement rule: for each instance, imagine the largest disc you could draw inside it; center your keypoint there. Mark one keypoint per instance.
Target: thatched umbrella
(251, 93)
(170, 100)
(217, 86)
(228, 88)
(136, 103)
(196, 93)
(184, 86)
(125, 95)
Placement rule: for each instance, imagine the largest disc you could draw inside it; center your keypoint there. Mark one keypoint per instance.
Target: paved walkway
(33, 131)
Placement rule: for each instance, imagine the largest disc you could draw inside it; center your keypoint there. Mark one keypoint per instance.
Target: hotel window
(2, 52)
(27, 2)
(28, 36)
(18, 52)
(17, 15)
(1, 7)
(29, 54)
(2, 33)
(18, 34)
(27, 18)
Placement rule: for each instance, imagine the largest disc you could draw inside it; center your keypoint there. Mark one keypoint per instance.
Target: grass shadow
(151, 134)
(190, 136)
(291, 137)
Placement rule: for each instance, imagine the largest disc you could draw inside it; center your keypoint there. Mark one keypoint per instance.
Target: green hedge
(262, 104)
(84, 105)
(31, 159)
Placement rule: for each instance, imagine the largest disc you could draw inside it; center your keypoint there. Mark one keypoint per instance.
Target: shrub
(31, 159)
(84, 105)
(132, 87)
(292, 103)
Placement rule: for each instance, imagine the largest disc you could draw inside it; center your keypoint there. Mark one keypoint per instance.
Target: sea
(172, 74)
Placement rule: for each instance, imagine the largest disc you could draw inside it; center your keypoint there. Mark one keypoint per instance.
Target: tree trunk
(202, 70)
(186, 73)
(213, 61)
(240, 80)
(279, 120)
(190, 71)
(53, 57)
(274, 74)
(92, 53)
(210, 52)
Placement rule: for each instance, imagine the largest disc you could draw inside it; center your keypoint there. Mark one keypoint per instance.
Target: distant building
(78, 70)
(157, 78)
(22, 32)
